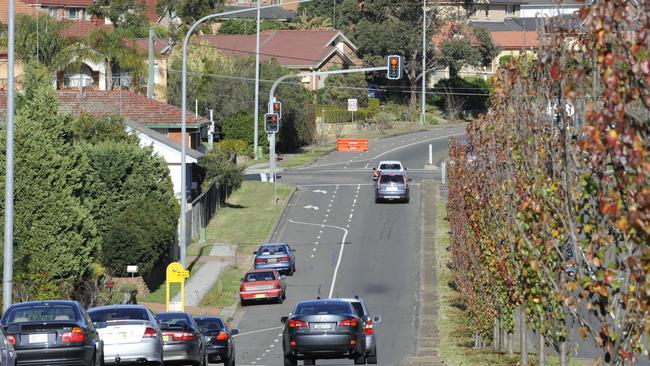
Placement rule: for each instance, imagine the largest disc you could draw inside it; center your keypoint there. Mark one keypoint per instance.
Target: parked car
(277, 256)
(130, 333)
(7, 352)
(323, 329)
(392, 186)
(218, 338)
(53, 332)
(387, 165)
(183, 342)
(369, 325)
(260, 285)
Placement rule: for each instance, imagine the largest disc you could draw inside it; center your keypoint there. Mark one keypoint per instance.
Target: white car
(131, 334)
(384, 165)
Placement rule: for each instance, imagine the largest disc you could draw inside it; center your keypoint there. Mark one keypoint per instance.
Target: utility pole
(211, 131)
(256, 115)
(334, 16)
(423, 115)
(150, 76)
(8, 268)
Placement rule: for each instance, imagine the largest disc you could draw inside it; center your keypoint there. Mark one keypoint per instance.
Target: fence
(203, 209)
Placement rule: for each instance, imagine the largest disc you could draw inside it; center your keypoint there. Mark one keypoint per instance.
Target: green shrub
(239, 147)
(374, 105)
(468, 95)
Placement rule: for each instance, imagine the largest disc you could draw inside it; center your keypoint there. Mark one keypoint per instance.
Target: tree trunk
(511, 344)
(564, 359)
(476, 340)
(413, 103)
(109, 75)
(495, 336)
(541, 351)
(523, 346)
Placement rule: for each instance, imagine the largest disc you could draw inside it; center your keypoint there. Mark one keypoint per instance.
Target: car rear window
(392, 179)
(259, 276)
(209, 324)
(37, 313)
(115, 314)
(390, 167)
(323, 308)
(272, 250)
(174, 320)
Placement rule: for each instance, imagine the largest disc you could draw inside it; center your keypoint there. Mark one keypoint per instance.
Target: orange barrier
(352, 144)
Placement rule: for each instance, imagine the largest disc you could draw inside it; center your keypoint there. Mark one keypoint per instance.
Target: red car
(262, 285)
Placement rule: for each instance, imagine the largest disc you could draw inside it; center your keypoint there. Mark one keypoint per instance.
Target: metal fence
(202, 209)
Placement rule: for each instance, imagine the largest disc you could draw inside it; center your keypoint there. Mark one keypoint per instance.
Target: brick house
(300, 50)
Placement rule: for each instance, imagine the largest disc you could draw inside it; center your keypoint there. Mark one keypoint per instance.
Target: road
(347, 245)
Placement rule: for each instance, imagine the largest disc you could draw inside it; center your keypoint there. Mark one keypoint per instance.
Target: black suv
(323, 329)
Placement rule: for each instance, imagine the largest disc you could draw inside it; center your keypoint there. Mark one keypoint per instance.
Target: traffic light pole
(272, 158)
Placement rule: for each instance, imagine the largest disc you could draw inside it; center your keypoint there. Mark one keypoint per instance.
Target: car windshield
(322, 308)
(39, 313)
(116, 314)
(392, 179)
(174, 320)
(272, 250)
(390, 167)
(210, 324)
(259, 276)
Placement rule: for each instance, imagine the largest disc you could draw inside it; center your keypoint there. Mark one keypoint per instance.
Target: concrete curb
(427, 309)
(276, 226)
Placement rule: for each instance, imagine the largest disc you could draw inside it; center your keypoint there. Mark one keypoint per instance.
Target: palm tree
(304, 22)
(111, 48)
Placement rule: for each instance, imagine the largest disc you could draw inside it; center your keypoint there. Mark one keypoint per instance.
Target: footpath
(425, 350)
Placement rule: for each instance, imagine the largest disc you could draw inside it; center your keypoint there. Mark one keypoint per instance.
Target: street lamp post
(186, 41)
(423, 116)
(256, 117)
(8, 269)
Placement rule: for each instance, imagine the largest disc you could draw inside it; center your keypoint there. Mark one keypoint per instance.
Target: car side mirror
(255, 252)
(241, 279)
(376, 319)
(374, 168)
(234, 331)
(284, 319)
(405, 169)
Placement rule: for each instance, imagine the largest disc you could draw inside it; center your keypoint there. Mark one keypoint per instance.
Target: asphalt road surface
(347, 245)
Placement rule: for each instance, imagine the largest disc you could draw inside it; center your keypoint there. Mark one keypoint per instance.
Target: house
(494, 10)
(162, 50)
(279, 13)
(549, 8)
(300, 50)
(252, 3)
(20, 7)
(78, 10)
(170, 151)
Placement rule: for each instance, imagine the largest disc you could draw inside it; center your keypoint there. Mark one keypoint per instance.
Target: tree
(94, 130)
(305, 21)
(55, 237)
(111, 48)
(217, 166)
(381, 28)
(487, 48)
(339, 88)
(49, 47)
(124, 14)
(248, 26)
(188, 10)
(458, 52)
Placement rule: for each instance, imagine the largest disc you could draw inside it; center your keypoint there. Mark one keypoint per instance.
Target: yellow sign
(176, 274)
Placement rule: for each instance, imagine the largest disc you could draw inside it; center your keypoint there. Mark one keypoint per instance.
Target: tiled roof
(142, 45)
(131, 106)
(292, 48)
(451, 29)
(69, 3)
(150, 10)
(515, 40)
(20, 7)
(162, 138)
(81, 28)
(278, 13)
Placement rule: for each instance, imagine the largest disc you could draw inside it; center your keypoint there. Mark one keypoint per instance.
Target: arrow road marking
(319, 191)
(310, 207)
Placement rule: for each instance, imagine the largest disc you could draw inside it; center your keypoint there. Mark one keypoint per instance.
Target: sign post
(352, 107)
(176, 274)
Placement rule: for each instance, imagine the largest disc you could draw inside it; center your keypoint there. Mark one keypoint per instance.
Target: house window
(53, 12)
(71, 80)
(510, 9)
(487, 10)
(73, 13)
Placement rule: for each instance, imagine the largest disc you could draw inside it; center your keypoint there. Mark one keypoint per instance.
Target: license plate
(324, 326)
(260, 296)
(272, 260)
(166, 338)
(38, 338)
(391, 189)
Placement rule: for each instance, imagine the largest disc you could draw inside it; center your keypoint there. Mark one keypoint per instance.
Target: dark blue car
(52, 333)
(218, 339)
(276, 256)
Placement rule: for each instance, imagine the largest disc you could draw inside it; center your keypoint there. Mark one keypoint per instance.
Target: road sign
(176, 274)
(352, 105)
(271, 123)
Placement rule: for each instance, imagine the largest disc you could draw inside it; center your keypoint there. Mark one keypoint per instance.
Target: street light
(183, 218)
(423, 116)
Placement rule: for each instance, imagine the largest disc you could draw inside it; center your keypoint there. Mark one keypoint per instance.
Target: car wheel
(243, 303)
(281, 299)
(309, 361)
(360, 360)
(371, 358)
(289, 360)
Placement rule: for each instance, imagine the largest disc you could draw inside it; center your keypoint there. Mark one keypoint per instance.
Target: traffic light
(271, 122)
(277, 109)
(394, 67)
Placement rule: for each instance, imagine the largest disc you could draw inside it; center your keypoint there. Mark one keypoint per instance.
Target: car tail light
(297, 324)
(277, 286)
(222, 336)
(11, 339)
(368, 327)
(283, 259)
(180, 336)
(150, 333)
(260, 260)
(348, 323)
(75, 335)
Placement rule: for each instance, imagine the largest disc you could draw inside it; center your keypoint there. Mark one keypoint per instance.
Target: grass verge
(302, 158)
(455, 344)
(157, 296)
(224, 292)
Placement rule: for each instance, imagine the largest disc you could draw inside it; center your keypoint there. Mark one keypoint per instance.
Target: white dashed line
(312, 256)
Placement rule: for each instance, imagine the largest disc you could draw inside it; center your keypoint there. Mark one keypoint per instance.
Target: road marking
(351, 216)
(338, 262)
(319, 191)
(258, 331)
(310, 207)
(312, 256)
(332, 185)
(313, 250)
